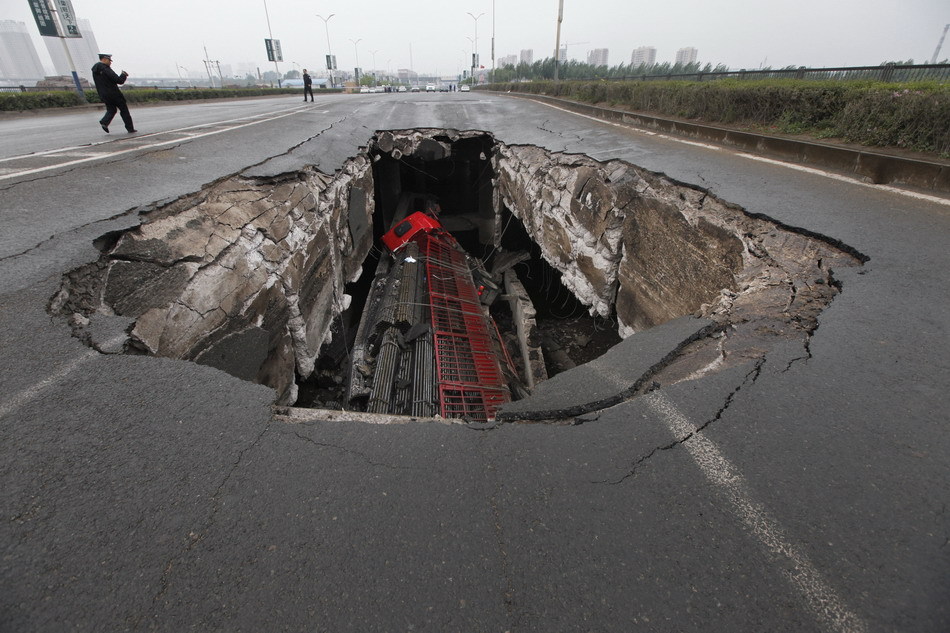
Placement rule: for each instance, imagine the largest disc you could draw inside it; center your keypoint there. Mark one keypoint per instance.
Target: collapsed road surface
(765, 449)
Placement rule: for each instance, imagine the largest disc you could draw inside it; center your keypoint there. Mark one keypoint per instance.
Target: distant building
(84, 51)
(527, 56)
(18, 57)
(562, 54)
(686, 55)
(597, 57)
(507, 60)
(407, 76)
(645, 55)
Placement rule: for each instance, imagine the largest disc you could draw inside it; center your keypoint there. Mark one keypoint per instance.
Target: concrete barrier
(869, 166)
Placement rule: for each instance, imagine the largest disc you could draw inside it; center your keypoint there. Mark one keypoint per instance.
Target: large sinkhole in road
(443, 273)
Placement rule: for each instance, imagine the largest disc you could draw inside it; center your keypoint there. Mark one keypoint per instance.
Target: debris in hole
(426, 344)
(267, 279)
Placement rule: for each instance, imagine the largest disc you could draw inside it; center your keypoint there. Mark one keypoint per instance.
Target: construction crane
(566, 44)
(933, 60)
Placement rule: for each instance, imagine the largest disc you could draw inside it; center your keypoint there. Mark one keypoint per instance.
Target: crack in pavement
(748, 380)
(361, 456)
(197, 537)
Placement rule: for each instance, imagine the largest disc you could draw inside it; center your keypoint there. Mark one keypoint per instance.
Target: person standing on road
(307, 85)
(107, 85)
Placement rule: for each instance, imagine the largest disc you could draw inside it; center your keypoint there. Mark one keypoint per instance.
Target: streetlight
(557, 41)
(373, 53)
(355, 48)
(329, 52)
(475, 45)
(471, 79)
(271, 34)
(181, 68)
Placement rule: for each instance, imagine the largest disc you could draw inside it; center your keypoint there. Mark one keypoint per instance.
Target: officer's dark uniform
(307, 87)
(107, 85)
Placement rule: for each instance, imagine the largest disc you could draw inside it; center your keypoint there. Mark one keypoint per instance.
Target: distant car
(430, 87)
(365, 89)
(415, 89)
(401, 89)
(465, 88)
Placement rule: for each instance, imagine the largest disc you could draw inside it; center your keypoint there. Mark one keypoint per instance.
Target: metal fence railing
(886, 72)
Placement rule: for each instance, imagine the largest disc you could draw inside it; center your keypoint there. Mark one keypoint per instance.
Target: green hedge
(13, 101)
(913, 116)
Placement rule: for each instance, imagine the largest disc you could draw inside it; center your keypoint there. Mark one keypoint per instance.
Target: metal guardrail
(887, 73)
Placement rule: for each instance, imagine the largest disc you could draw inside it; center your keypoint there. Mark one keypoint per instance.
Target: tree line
(573, 69)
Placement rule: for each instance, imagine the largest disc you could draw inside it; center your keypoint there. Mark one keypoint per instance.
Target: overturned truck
(427, 344)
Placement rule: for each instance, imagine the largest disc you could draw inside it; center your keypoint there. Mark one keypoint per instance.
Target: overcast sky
(148, 38)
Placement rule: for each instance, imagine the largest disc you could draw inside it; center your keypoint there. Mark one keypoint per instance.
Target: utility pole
(557, 41)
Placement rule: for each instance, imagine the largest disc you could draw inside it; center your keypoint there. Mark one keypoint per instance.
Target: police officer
(107, 85)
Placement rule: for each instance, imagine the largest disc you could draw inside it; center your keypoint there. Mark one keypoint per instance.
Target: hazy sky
(148, 38)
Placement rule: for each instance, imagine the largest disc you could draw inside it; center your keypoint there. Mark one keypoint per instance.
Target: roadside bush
(13, 101)
(912, 116)
(19, 101)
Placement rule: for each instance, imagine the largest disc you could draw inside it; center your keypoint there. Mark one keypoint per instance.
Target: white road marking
(31, 393)
(101, 156)
(772, 161)
(826, 606)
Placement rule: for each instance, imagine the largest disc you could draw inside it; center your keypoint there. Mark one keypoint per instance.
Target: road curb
(868, 166)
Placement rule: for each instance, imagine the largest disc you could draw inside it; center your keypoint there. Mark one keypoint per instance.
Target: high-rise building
(19, 60)
(597, 57)
(527, 56)
(686, 55)
(507, 60)
(645, 55)
(84, 51)
(562, 54)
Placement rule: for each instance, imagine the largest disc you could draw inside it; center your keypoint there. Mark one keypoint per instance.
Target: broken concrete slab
(276, 252)
(612, 377)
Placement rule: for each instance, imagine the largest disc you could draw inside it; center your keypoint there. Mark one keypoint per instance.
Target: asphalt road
(806, 493)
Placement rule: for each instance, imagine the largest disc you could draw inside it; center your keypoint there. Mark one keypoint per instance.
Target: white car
(465, 88)
(430, 87)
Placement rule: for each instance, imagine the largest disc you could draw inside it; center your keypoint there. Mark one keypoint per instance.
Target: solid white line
(138, 148)
(772, 161)
(820, 598)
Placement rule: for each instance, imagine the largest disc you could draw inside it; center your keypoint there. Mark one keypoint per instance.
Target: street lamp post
(492, 80)
(475, 46)
(373, 53)
(357, 50)
(557, 41)
(471, 78)
(271, 34)
(329, 52)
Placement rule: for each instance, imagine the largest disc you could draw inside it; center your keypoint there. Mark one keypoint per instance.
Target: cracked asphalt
(805, 492)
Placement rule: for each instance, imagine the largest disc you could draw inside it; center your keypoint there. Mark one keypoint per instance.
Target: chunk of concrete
(612, 377)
